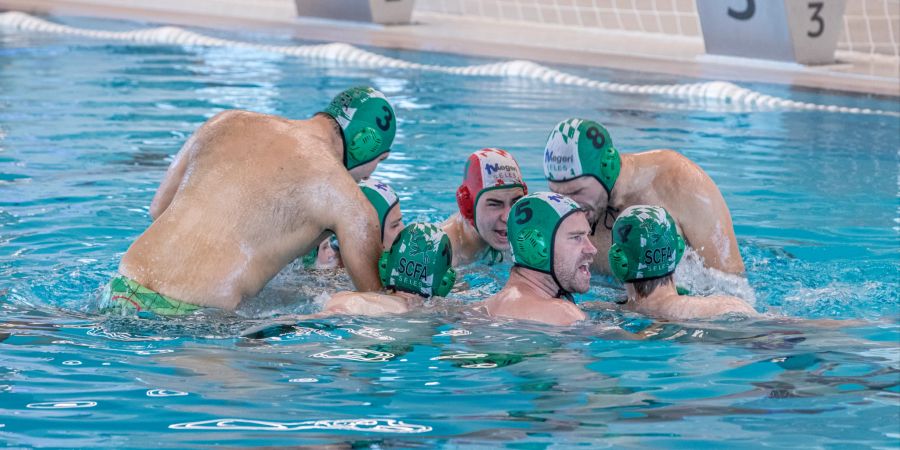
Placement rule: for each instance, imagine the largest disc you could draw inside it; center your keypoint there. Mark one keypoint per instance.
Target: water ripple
(165, 393)
(61, 405)
(355, 354)
(366, 425)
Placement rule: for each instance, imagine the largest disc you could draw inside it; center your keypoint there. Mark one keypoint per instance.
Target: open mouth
(585, 269)
(501, 234)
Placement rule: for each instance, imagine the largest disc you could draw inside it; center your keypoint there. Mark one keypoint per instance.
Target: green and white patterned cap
(381, 196)
(578, 148)
(646, 244)
(419, 262)
(367, 124)
(532, 224)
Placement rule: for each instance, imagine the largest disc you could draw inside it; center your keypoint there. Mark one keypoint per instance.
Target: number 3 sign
(804, 31)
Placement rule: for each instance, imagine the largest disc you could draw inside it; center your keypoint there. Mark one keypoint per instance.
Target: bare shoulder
(677, 166)
(569, 312)
(229, 117)
(231, 121)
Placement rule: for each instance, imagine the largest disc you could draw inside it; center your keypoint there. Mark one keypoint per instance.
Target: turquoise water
(88, 127)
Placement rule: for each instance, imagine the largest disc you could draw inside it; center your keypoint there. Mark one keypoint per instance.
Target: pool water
(88, 127)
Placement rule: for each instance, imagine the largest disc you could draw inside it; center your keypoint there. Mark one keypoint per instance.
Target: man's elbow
(155, 212)
(157, 208)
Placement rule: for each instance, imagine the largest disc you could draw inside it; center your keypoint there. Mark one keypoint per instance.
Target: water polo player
(492, 182)
(645, 251)
(247, 194)
(581, 162)
(552, 253)
(416, 267)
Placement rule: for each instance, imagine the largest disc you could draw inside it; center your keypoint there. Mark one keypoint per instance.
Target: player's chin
(582, 278)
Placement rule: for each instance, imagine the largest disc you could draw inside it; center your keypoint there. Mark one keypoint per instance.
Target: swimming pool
(88, 127)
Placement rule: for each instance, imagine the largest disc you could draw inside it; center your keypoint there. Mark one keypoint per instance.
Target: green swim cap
(646, 244)
(419, 262)
(381, 196)
(578, 148)
(367, 123)
(531, 227)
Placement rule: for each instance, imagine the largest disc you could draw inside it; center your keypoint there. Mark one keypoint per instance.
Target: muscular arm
(364, 303)
(714, 306)
(357, 230)
(704, 218)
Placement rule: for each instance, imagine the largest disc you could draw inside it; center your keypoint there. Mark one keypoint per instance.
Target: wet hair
(646, 287)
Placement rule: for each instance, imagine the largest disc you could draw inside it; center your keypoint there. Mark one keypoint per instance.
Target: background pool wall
(869, 26)
(660, 36)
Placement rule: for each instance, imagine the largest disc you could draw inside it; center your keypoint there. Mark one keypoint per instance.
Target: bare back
(246, 195)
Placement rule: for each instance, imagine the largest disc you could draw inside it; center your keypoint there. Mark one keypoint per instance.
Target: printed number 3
(523, 210)
(746, 14)
(384, 123)
(817, 8)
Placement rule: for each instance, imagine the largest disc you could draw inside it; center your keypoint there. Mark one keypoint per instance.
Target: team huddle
(249, 193)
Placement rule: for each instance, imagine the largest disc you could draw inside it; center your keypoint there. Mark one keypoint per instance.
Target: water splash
(694, 276)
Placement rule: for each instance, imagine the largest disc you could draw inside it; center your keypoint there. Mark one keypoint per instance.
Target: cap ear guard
(466, 204)
(618, 262)
(447, 282)
(610, 165)
(383, 271)
(364, 146)
(531, 248)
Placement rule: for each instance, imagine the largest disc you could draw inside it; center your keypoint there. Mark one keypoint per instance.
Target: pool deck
(673, 55)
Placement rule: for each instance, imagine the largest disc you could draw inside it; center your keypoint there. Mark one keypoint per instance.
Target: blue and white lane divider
(717, 92)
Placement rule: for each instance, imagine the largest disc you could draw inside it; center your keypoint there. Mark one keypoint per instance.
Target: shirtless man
(250, 192)
(551, 253)
(645, 251)
(492, 182)
(387, 207)
(581, 163)
(416, 267)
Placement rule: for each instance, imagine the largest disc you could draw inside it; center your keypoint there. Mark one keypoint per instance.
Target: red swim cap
(486, 169)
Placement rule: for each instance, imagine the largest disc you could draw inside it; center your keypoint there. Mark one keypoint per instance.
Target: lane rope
(716, 92)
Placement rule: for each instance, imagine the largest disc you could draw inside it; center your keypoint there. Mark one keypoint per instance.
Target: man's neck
(656, 296)
(610, 205)
(540, 283)
(326, 128)
(625, 184)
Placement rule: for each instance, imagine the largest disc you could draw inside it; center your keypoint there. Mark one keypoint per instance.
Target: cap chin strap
(609, 217)
(561, 293)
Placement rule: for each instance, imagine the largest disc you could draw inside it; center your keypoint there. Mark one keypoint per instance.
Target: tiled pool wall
(870, 26)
